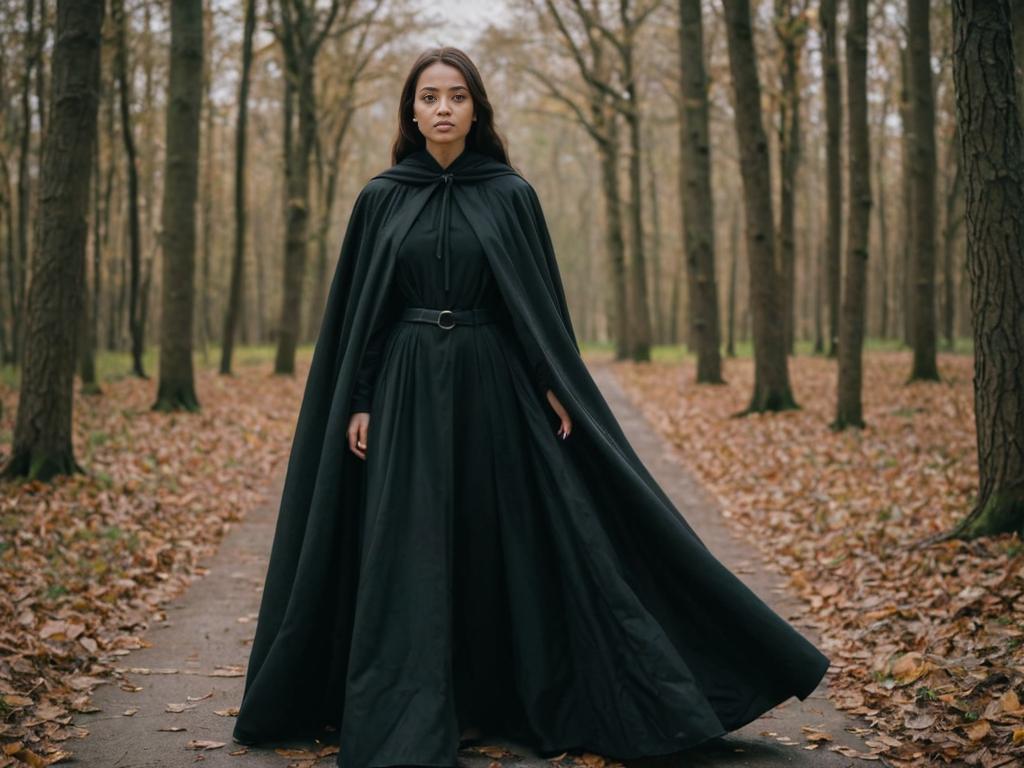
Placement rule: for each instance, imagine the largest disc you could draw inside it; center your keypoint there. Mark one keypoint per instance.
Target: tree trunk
(833, 170)
(993, 156)
(609, 159)
(849, 409)
(131, 160)
(42, 435)
(696, 196)
(791, 31)
(906, 263)
(950, 230)
(771, 374)
(231, 315)
(922, 223)
(640, 321)
(185, 88)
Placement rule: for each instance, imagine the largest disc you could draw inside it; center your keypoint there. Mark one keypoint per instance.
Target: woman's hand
(566, 426)
(358, 427)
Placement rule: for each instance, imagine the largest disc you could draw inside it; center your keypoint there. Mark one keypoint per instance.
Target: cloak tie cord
(442, 238)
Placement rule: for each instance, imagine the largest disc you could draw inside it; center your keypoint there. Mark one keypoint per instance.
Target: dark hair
(482, 135)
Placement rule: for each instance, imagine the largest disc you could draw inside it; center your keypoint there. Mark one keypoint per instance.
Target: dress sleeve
(366, 377)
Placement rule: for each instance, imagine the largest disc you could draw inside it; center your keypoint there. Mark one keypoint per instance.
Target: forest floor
(924, 643)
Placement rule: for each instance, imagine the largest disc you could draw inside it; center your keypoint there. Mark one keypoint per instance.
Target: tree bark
(42, 435)
(950, 231)
(771, 374)
(696, 195)
(131, 160)
(232, 312)
(301, 40)
(991, 139)
(922, 223)
(849, 409)
(791, 30)
(177, 382)
(833, 170)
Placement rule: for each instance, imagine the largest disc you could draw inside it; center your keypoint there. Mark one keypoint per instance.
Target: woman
(448, 562)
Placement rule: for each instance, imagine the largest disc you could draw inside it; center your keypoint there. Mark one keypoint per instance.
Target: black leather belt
(448, 318)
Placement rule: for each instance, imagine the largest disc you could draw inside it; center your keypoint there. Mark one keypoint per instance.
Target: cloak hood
(639, 576)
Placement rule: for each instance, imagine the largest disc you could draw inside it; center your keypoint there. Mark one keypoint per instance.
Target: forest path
(209, 625)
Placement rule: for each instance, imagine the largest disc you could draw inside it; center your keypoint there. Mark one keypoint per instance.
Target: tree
(771, 373)
(834, 169)
(791, 30)
(600, 118)
(695, 195)
(238, 258)
(42, 435)
(849, 411)
(992, 146)
(301, 29)
(922, 221)
(181, 174)
(134, 231)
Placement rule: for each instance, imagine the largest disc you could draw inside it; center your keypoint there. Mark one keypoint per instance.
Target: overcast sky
(463, 19)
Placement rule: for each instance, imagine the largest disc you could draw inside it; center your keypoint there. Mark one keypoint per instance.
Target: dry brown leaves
(926, 644)
(87, 561)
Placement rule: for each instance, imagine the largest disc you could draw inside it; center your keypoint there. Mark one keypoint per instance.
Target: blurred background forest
(557, 137)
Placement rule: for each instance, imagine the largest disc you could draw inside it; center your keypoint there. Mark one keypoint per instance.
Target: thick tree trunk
(42, 435)
(922, 223)
(771, 374)
(696, 195)
(185, 88)
(993, 156)
(231, 315)
(849, 410)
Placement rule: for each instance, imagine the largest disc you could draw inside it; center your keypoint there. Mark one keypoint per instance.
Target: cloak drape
(666, 647)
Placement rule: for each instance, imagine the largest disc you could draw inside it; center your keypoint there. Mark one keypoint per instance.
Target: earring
(414, 119)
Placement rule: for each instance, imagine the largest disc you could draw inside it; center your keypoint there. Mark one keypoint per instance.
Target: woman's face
(443, 106)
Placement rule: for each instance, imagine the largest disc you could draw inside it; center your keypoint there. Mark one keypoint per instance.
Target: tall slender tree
(42, 435)
(696, 196)
(600, 119)
(771, 372)
(791, 30)
(922, 222)
(992, 145)
(849, 409)
(232, 311)
(301, 27)
(834, 168)
(181, 174)
(124, 81)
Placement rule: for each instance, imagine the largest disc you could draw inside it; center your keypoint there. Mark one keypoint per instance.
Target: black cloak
(655, 645)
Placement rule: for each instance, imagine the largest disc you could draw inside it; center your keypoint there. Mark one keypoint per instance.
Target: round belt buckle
(441, 314)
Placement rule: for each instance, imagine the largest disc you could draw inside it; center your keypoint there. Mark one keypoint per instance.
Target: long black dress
(476, 569)
(445, 406)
